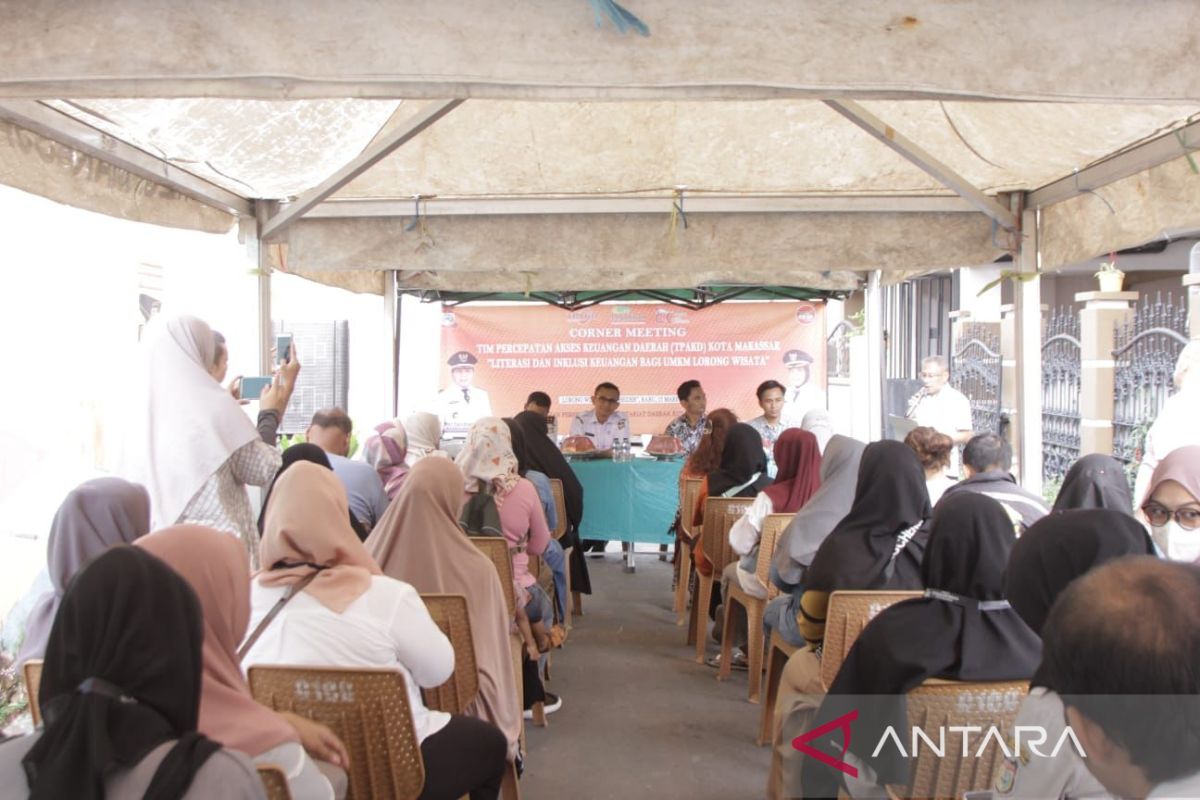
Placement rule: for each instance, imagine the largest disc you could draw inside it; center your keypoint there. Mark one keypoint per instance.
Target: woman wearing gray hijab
(818, 422)
(796, 547)
(95, 516)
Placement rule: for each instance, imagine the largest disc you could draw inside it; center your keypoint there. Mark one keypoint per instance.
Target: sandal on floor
(739, 661)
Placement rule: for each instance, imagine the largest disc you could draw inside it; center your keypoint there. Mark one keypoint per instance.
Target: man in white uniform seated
(603, 425)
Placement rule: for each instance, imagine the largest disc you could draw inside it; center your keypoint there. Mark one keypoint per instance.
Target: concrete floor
(640, 719)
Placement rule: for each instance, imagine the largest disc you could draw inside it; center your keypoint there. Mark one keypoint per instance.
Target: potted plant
(1111, 279)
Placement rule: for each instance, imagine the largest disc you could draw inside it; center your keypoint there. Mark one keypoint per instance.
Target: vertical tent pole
(257, 255)
(391, 302)
(1027, 301)
(873, 303)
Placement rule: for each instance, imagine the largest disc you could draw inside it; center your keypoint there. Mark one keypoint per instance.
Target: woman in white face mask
(1172, 505)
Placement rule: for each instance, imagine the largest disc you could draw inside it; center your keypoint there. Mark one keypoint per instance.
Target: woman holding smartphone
(189, 442)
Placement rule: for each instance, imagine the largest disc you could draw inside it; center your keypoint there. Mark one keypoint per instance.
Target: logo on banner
(670, 316)
(626, 315)
(581, 316)
(806, 313)
(449, 320)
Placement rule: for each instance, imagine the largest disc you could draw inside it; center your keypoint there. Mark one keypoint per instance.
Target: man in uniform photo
(462, 402)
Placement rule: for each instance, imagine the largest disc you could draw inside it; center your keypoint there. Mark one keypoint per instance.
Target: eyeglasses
(612, 401)
(1187, 517)
(932, 374)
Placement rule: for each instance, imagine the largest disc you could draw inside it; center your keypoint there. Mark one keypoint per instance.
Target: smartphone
(252, 388)
(283, 348)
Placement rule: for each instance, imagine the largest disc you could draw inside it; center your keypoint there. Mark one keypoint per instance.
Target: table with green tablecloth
(629, 501)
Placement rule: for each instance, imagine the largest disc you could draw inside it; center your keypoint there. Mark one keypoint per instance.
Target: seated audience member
(1176, 424)
(218, 571)
(801, 539)
(987, 461)
(313, 454)
(191, 444)
(420, 542)
(424, 432)
(604, 424)
(742, 472)
(545, 457)
(538, 403)
(688, 427)
(1122, 649)
(489, 466)
(554, 556)
(1172, 505)
(351, 615)
(934, 450)
(771, 423)
(818, 422)
(707, 455)
(963, 629)
(799, 460)
(95, 516)
(879, 544)
(385, 451)
(330, 430)
(1056, 550)
(120, 694)
(1095, 481)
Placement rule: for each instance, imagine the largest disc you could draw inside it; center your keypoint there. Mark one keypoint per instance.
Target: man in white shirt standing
(771, 423)
(603, 424)
(938, 405)
(462, 403)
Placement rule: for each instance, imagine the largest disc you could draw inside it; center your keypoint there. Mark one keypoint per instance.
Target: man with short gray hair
(939, 405)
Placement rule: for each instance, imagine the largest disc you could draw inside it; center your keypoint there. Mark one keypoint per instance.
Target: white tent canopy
(801, 143)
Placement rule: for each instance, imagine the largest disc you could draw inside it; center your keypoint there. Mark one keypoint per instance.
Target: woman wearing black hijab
(1095, 481)
(120, 694)
(545, 457)
(741, 473)
(1056, 550)
(304, 452)
(962, 629)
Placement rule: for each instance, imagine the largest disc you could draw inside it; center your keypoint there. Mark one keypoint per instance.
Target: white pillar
(1027, 302)
(256, 255)
(391, 310)
(873, 331)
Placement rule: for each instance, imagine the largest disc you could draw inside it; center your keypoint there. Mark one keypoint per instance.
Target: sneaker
(739, 661)
(551, 704)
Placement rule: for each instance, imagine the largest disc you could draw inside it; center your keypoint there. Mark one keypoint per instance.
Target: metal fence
(975, 371)
(1061, 380)
(1145, 350)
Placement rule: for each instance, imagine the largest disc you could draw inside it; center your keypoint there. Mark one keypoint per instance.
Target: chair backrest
(560, 508)
(32, 672)
(772, 528)
(935, 706)
(274, 781)
(496, 548)
(450, 613)
(367, 709)
(687, 504)
(719, 515)
(848, 613)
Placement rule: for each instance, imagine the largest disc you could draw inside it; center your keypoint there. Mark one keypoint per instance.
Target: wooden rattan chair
(941, 705)
(367, 709)
(32, 672)
(450, 613)
(719, 515)
(274, 781)
(772, 527)
(683, 558)
(778, 652)
(848, 614)
(560, 508)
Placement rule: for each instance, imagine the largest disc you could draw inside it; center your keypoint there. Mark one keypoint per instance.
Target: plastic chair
(849, 612)
(778, 652)
(274, 782)
(367, 709)
(687, 507)
(560, 508)
(937, 706)
(719, 515)
(772, 527)
(450, 613)
(32, 672)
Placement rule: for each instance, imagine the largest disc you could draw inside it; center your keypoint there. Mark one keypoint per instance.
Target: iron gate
(975, 371)
(1145, 350)
(1061, 380)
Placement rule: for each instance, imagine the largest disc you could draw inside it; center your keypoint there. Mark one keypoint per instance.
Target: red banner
(645, 349)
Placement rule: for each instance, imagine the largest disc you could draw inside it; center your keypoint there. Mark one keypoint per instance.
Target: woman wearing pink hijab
(352, 615)
(1172, 505)
(217, 568)
(386, 450)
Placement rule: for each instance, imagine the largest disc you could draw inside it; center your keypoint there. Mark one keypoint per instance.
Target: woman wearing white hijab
(190, 444)
(424, 432)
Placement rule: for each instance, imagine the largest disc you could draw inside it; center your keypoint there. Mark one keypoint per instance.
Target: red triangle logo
(843, 722)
